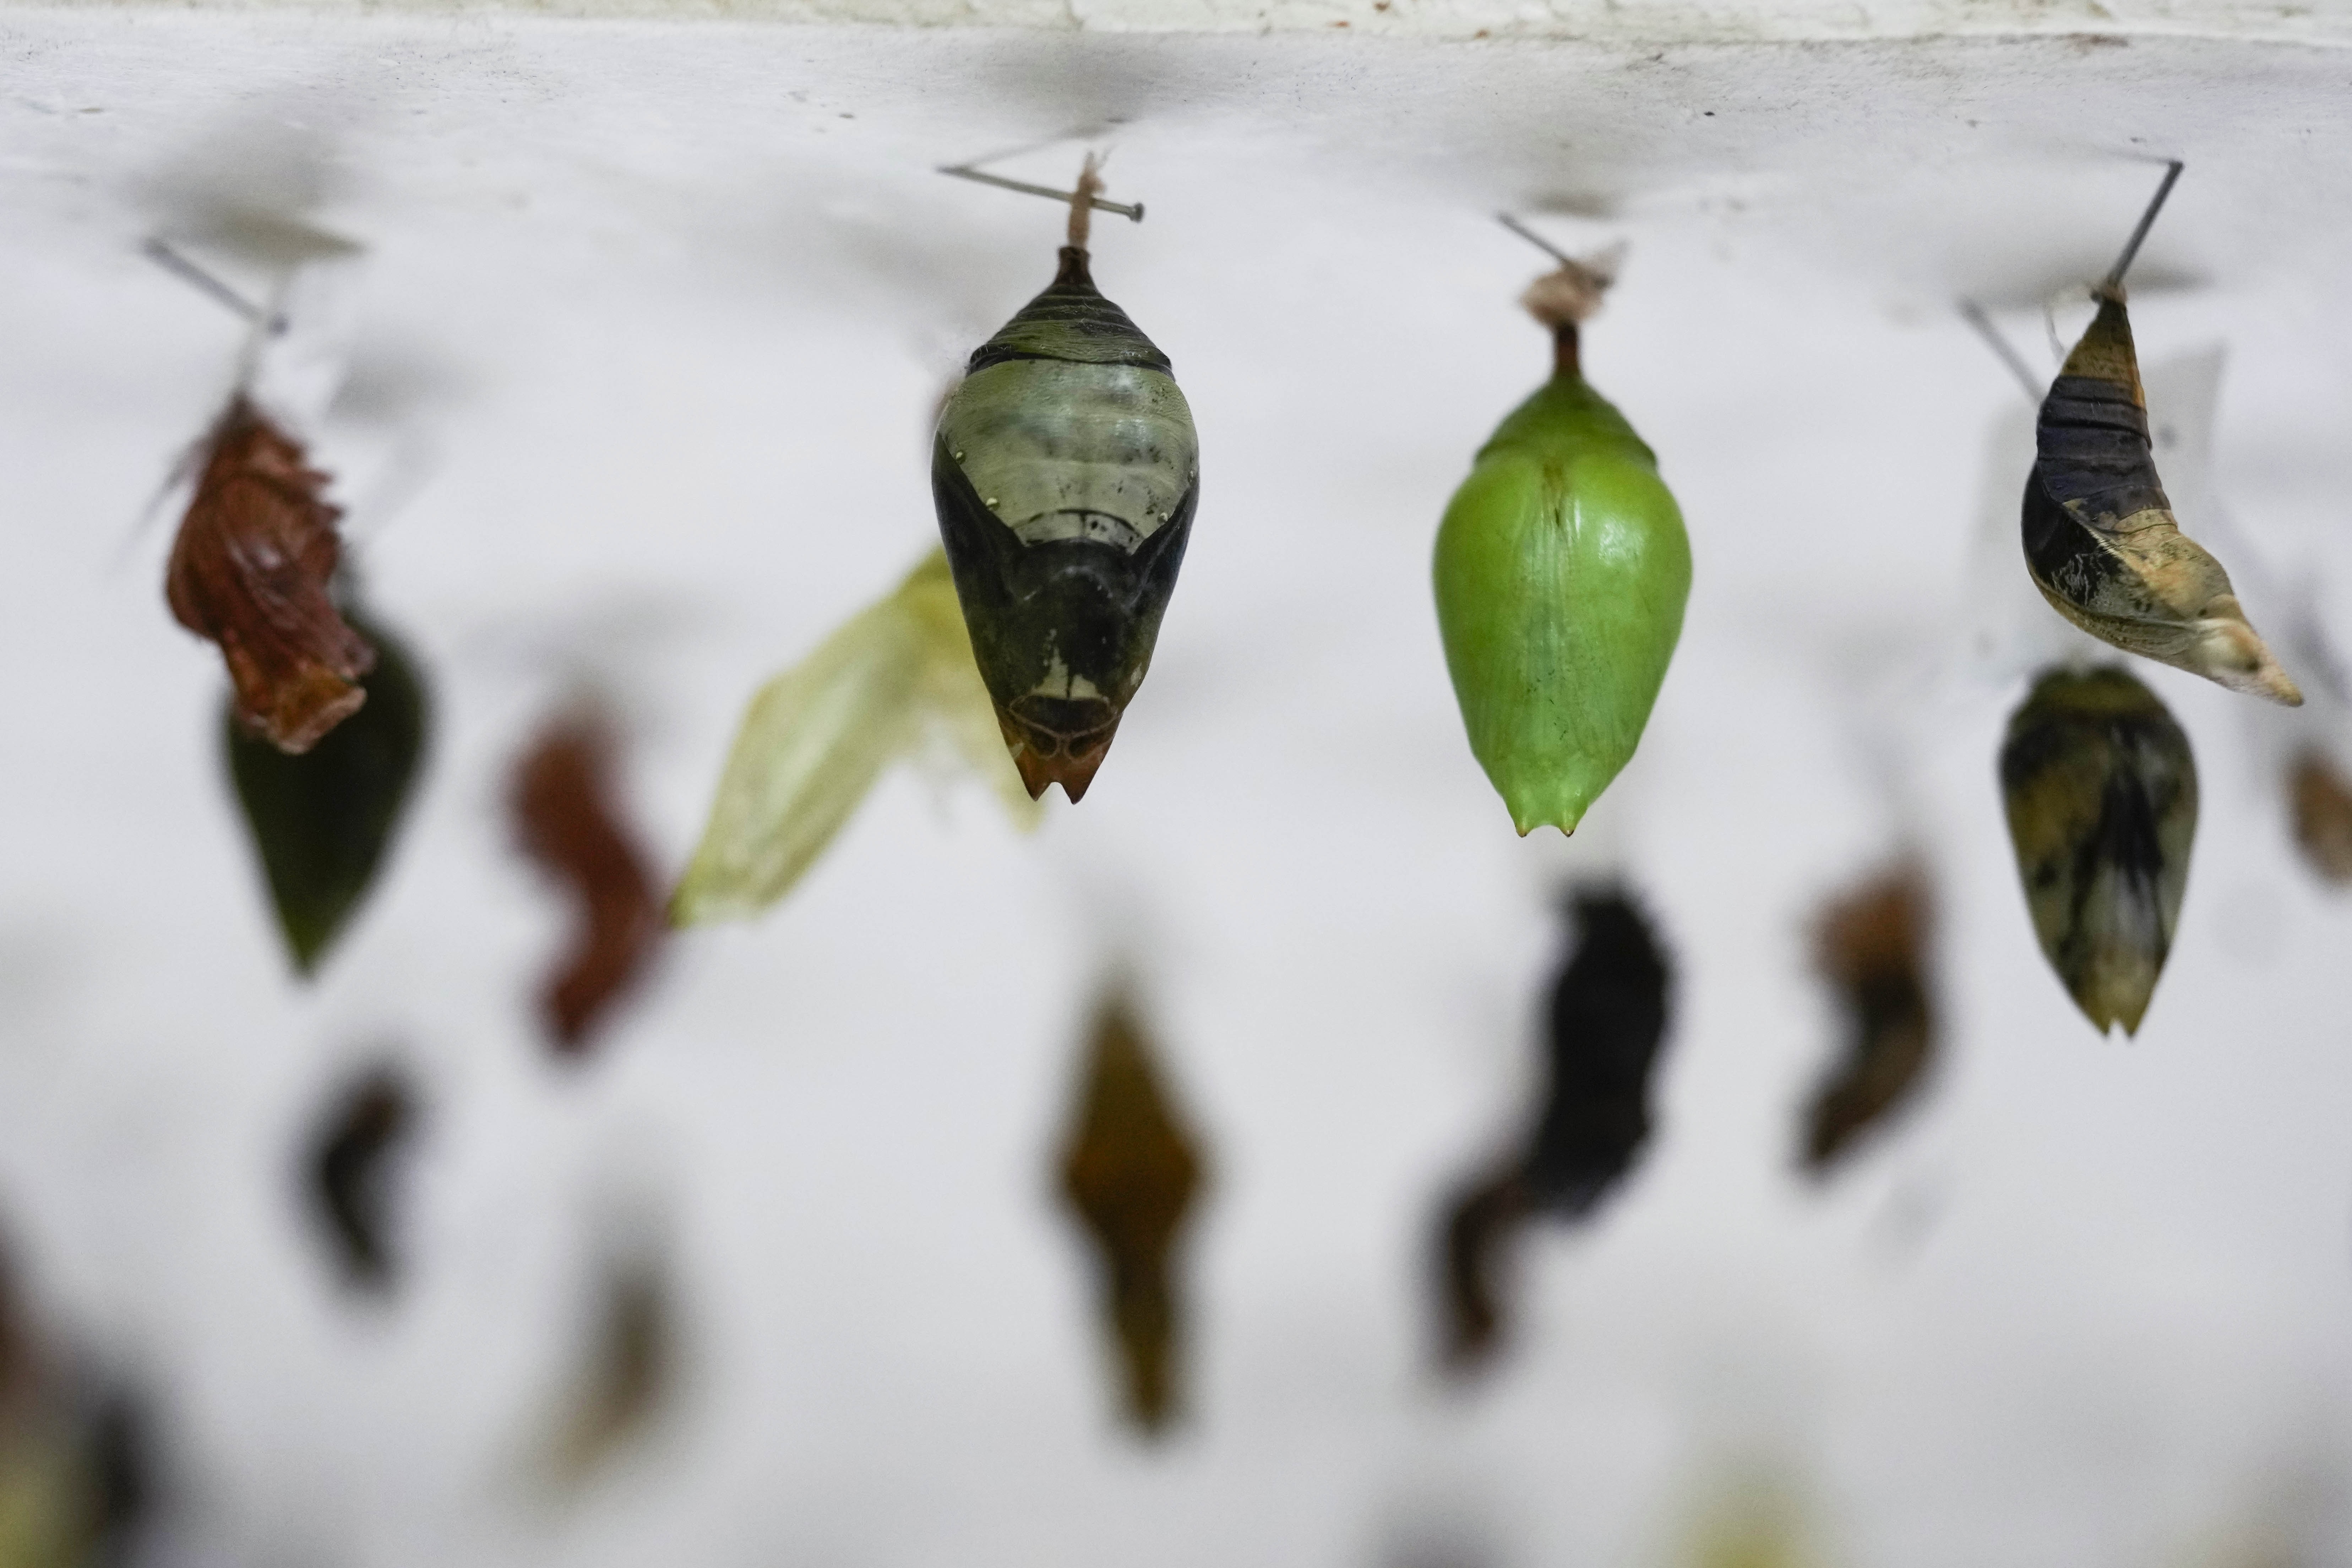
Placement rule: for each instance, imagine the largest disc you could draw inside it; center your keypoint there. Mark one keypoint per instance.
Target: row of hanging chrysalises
(1065, 473)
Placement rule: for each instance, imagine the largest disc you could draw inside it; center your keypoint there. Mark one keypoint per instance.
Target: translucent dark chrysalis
(1870, 947)
(1065, 471)
(2101, 791)
(323, 820)
(1130, 1170)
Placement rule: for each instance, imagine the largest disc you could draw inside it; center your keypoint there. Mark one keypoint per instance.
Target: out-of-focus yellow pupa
(896, 681)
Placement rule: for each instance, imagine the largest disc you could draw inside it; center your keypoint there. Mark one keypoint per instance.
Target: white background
(654, 319)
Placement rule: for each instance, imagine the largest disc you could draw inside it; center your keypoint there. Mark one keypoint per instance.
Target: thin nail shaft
(1538, 241)
(1133, 211)
(203, 282)
(2146, 221)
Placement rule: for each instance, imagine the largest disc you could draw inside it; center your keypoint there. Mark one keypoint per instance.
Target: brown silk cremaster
(1870, 946)
(2100, 539)
(565, 815)
(250, 572)
(1131, 1172)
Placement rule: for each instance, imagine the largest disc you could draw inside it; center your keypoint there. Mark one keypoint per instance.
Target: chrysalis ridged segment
(2101, 542)
(1561, 572)
(2101, 792)
(1065, 471)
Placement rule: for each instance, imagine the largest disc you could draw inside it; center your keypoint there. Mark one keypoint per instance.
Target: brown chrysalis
(250, 571)
(568, 820)
(2321, 803)
(1870, 947)
(1131, 1172)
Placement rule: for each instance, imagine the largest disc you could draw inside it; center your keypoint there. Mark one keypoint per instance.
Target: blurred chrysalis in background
(2321, 803)
(895, 681)
(2101, 792)
(1604, 1028)
(1870, 945)
(1065, 472)
(323, 820)
(1561, 571)
(1750, 1520)
(352, 1176)
(625, 1376)
(75, 1455)
(2101, 542)
(568, 817)
(1130, 1170)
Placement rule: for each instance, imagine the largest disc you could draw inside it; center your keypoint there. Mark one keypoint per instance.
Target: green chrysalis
(1561, 573)
(323, 820)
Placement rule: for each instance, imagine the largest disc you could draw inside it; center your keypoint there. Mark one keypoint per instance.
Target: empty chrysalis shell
(896, 678)
(2100, 539)
(2101, 791)
(1561, 572)
(1066, 470)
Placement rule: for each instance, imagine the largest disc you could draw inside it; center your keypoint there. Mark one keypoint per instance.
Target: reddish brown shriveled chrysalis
(1870, 946)
(564, 813)
(250, 572)
(2322, 816)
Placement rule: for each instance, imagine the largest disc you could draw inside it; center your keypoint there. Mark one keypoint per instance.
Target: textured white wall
(655, 319)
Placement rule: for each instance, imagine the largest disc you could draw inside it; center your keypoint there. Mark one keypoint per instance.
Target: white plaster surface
(653, 318)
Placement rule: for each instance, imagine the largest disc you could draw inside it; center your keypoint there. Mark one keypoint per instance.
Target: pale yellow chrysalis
(896, 679)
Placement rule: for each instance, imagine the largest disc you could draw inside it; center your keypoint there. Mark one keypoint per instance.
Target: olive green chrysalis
(323, 820)
(1065, 473)
(2101, 792)
(1561, 572)
(2101, 542)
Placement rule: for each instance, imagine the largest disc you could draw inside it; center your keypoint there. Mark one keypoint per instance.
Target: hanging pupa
(1561, 572)
(1066, 470)
(321, 821)
(1604, 1028)
(895, 681)
(2321, 802)
(257, 551)
(2101, 792)
(2101, 542)
(568, 818)
(1131, 1172)
(1870, 946)
(350, 1175)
